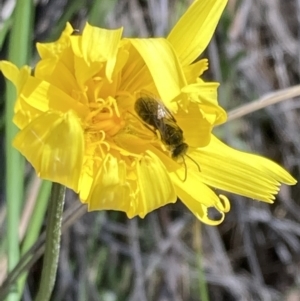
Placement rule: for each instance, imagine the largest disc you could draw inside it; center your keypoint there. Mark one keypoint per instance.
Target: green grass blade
(18, 54)
(35, 225)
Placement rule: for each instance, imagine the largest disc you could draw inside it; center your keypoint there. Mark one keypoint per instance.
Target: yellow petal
(238, 172)
(194, 188)
(135, 74)
(197, 130)
(24, 113)
(155, 186)
(205, 94)
(192, 33)
(50, 70)
(101, 45)
(55, 49)
(17, 76)
(163, 66)
(110, 191)
(44, 96)
(136, 145)
(198, 197)
(54, 144)
(193, 71)
(201, 114)
(86, 180)
(85, 72)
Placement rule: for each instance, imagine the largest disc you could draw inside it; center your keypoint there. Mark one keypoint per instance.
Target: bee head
(179, 150)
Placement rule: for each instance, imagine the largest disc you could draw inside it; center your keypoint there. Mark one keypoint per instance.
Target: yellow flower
(79, 125)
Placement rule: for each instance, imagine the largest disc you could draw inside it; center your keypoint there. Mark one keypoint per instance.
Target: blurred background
(255, 253)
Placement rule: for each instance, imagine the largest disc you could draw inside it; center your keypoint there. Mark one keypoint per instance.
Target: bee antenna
(185, 169)
(199, 169)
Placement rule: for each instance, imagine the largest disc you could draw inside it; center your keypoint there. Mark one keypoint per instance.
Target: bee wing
(146, 109)
(153, 112)
(164, 112)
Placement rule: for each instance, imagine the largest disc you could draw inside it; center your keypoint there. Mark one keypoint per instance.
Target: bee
(154, 113)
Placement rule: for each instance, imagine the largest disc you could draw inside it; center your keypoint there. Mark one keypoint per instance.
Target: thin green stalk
(202, 279)
(53, 236)
(18, 54)
(204, 296)
(34, 226)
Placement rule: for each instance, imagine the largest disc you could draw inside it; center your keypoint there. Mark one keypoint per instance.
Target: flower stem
(53, 235)
(204, 295)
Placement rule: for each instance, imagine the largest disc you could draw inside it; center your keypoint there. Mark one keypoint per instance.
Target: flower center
(104, 116)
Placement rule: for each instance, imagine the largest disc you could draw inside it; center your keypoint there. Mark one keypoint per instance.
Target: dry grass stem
(265, 101)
